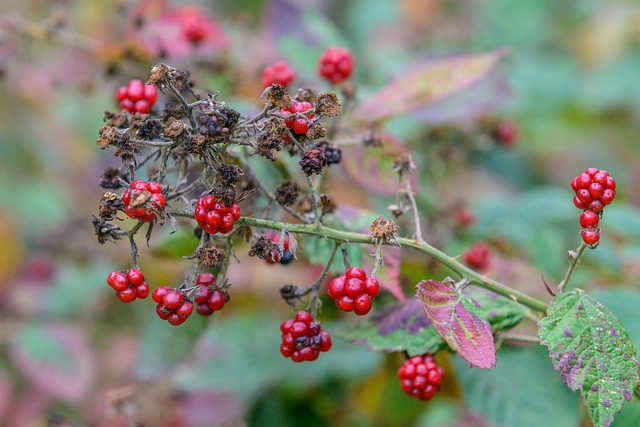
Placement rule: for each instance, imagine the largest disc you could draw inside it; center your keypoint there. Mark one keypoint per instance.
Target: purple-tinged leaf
(459, 321)
(55, 359)
(373, 168)
(397, 327)
(592, 351)
(428, 84)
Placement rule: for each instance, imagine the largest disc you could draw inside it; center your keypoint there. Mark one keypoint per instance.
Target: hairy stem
(574, 260)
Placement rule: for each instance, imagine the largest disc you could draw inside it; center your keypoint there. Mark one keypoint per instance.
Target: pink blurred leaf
(55, 359)
(373, 168)
(459, 321)
(432, 82)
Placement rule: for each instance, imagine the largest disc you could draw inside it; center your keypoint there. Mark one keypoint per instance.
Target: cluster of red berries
(336, 64)
(143, 200)
(173, 306)
(137, 97)
(478, 256)
(279, 73)
(594, 190)
(303, 338)
(287, 254)
(209, 299)
(214, 217)
(420, 377)
(128, 284)
(297, 116)
(354, 291)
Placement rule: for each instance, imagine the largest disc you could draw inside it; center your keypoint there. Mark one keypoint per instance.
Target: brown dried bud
(305, 95)
(175, 128)
(109, 135)
(313, 161)
(173, 109)
(105, 231)
(326, 204)
(146, 127)
(118, 120)
(316, 131)
(210, 255)
(404, 164)
(197, 144)
(328, 104)
(109, 205)
(287, 193)
(224, 194)
(110, 178)
(270, 141)
(229, 174)
(277, 96)
(382, 230)
(332, 153)
(263, 248)
(160, 75)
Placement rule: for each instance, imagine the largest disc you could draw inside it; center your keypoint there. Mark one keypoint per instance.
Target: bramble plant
(200, 156)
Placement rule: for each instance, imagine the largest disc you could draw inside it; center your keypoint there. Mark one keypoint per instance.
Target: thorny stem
(574, 260)
(314, 203)
(423, 247)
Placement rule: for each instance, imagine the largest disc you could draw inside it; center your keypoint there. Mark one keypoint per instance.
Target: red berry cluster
(478, 256)
(297, 116)
(420, 377)
(137, 97)
(279, 73)
(172, 306)
(140, 194)
(336, 64)
(214, 217)
(128, 284)
(209, 299)
(506, 133)
(287, 254)
(303, 339)
(594, 190)
(354, 291)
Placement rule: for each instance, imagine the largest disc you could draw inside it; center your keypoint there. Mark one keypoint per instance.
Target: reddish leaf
(373, 168)
(459, 321)
(432, 82)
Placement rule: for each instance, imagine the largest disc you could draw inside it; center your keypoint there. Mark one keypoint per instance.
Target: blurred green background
(71, 354)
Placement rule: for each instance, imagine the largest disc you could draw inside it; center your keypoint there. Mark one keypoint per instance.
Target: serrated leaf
(459, 321)
(592, 351)
(428, 84)
(398, 327)
(373, 169)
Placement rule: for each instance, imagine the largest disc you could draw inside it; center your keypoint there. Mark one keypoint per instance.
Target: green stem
(423, 247)
(314, 203)
(573, 263)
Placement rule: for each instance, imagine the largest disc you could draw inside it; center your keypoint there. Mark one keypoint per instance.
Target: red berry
(590, 236)
(596, 190)
(371, 287)
(175, 320)
(354, 291)
(142, 290)
(126, 295)
(202, 294)
(117, 280)
(362, 304)
(354, 287)
(217, 300)
(304, 317)
(159, 293)
(478, 256)
(589, 219)
(303, 339)
(584, 196)
(147, 197)
(464, 217)
(506, 133)
(336, 64)
(420, 377)
(204, 309)
(595, 206)
(345, 303)
(135, 276)
(579, 203)
(214, 217)
(206, 279)
(279, 73)
(336, 287)
(137, 97)
(591, 171)
(185, 309)
(300, 126)
(355, 272)
(173, 299)
(607, 196)
(163, 312)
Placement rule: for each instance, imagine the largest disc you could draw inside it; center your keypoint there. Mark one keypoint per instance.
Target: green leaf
(428, 84)
(502, 313)
(459, 321)
(522, 390)
(163, 346)
(593, 352)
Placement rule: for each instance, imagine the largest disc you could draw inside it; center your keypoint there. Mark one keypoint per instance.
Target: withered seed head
(313, 161)
(316, 131)
(224, 194)
(210, 255)
(287, 193)
(305, 95)
(175, 128)
(263, 248)
(277, 96)
(109, 178)
(328, 104)
(404, 164)
(229, 174)
(382, 230)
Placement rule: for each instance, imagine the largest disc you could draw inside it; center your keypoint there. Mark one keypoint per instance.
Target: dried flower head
(210, 255)
(263, 248)
(328, 104)
(313, 161)
(287, 193)
(277, 96)
(382, 230)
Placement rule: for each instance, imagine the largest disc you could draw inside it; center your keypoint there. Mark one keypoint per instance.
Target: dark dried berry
(287, 193)
(313, 161)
